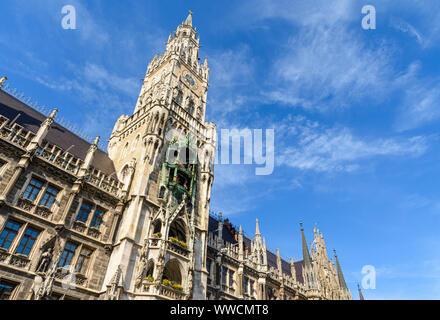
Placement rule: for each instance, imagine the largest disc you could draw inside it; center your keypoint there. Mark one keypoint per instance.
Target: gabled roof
(30, 119)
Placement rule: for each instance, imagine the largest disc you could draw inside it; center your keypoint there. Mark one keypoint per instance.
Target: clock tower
(164, 154)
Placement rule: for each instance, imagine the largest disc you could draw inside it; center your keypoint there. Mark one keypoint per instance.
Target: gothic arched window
(179, 97)
(172, 272)
(190, 108)
(178, 230)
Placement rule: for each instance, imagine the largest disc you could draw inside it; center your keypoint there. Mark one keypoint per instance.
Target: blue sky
(355, 112)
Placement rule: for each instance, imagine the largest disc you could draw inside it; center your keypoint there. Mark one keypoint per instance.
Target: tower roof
(188, 20)
(341, 279)
(306, 254)
(361, 296)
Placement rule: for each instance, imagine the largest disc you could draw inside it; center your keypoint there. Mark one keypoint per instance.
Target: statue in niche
(45, 260)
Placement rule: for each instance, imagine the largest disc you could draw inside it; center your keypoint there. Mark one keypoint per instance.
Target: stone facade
(134, 223)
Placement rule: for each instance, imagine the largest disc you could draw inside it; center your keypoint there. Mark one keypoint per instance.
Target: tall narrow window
(224, 274)
(97, 218)
(84, 212)
(179, 97)
(83, 260)
(252, 289)
(231, 279)
(208, 268)
(190, 108)
(245, 284)
(6, 289)
(33, 189)
(28, 240)
(49, 197)
(9, 233)
(2, 163)
(68, 253)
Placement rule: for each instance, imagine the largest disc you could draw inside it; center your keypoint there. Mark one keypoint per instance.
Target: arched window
(150, 269)
(161, 192)
(172, 272)
(157, 226)
(178, 230)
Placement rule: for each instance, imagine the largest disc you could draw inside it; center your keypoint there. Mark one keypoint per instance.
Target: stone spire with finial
(188, 20)
(361, 296)
(341, 279)
(306, 254)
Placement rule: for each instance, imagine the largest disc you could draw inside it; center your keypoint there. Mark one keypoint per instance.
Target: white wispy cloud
(107, 95)
(231, 67)
(420, 102)
(303, 13)
(232, 74)
(329, 67)
(405, 27)
(318, 148)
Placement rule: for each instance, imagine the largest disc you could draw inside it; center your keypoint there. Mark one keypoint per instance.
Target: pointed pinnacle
(96, 142)
(53, 113)
(257, 230)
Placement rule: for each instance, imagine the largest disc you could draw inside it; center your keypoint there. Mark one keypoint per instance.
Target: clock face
(190, 80)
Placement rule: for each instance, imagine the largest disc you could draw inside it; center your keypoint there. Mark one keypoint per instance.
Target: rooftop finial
(53, 113)
(96, 142)
(257, 229)
(2, 81)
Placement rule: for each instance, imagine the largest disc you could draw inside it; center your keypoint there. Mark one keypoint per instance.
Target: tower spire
(188, 20)
(341, 279)
(257, 229)
(306, 254)
(361, 296)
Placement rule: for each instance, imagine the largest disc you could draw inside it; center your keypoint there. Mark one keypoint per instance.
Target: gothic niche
(150, 270)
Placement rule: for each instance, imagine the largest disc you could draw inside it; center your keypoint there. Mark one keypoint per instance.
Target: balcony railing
(177, 248)
(174, 294)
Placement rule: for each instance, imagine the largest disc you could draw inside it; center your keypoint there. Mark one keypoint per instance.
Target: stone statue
(142, 264)
(45, 260)
(2, 81)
